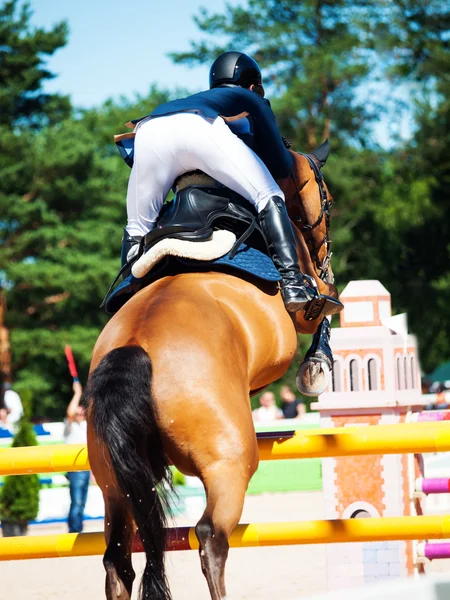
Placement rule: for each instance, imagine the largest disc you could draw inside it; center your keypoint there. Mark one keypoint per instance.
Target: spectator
(268, 410)
(11, 408)
(292, 407)
(75, 432)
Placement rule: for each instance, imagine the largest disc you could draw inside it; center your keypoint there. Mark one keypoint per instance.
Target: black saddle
(197, 211)
(194, 213)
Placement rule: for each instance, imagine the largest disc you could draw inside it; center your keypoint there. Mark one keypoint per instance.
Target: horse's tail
(123, 415)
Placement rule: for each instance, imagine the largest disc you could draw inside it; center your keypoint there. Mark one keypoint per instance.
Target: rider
(230, 133)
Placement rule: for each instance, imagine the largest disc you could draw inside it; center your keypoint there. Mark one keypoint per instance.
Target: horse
(308, 201)
(169, 384)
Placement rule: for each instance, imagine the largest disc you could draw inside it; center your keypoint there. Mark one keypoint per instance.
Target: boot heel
(292, 302)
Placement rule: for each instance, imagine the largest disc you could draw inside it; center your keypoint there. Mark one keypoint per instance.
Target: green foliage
(62, 201)
(313, 57)
(177, 477)
(19, 496)
(23, 69)
(19, 500)
(61, 237)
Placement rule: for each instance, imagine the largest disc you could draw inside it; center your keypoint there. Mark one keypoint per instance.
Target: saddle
(202, 211)
(196, 212)
(205, 211)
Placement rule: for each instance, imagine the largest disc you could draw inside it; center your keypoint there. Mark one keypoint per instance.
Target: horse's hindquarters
(211, 338)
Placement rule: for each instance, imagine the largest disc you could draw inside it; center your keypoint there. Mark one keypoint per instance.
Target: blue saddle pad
(247, 260)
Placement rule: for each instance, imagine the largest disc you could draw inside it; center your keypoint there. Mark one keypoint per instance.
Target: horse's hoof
(313, 377)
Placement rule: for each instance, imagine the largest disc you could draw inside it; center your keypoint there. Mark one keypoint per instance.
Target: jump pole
(435, 485)
(321, 443)
(433, 551)
(244, 536)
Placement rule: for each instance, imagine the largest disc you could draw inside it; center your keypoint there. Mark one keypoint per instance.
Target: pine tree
(22, 69)
(313, 59)
(61, 246)
(414, 210)
(391, 215)
(62, 201)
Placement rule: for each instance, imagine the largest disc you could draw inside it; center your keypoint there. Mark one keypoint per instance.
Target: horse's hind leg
(119, 533)
(225, 484)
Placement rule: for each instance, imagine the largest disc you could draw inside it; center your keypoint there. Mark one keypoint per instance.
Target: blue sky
(120, 48)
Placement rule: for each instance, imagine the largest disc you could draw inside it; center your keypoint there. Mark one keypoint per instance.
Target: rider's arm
(269, 144)
(75, 402)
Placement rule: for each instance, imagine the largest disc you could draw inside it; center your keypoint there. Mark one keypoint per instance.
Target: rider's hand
(77, 388)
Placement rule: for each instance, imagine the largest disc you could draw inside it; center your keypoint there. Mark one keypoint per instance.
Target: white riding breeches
(166, 147)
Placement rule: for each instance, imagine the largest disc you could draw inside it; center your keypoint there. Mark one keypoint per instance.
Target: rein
(307, 228)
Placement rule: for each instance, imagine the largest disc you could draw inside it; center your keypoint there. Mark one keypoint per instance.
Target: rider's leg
(296, 290)
(130, 247)
(154, 170)
(166, 147)
(226, 158)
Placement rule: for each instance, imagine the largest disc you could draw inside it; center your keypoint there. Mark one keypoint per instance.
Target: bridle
(306, 228)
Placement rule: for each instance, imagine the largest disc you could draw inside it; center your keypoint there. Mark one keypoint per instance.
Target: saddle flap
(196, 211)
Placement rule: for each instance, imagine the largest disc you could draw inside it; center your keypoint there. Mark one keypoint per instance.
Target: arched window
(405, 367)
(399, 375)
(361, 514)
(372, 374)
(413, 372)
(336, 377)
(360, 510)
(354, 376)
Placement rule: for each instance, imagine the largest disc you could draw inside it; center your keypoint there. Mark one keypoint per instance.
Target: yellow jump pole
(43, 459)
(318, 443)
(245, 536)
(404, 438)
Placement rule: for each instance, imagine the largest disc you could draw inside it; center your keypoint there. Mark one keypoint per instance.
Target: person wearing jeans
(79, 485)
(75, 432)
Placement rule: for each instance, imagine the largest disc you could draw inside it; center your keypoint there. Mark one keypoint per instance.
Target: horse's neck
(304, 205)
(302, 192)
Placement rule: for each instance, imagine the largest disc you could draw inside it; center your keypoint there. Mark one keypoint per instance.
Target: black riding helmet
(234, 68)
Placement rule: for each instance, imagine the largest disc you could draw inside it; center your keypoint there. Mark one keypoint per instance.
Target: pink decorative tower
(376, 380)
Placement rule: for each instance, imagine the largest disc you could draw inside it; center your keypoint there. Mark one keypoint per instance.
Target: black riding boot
(296, 290)
(128, 242)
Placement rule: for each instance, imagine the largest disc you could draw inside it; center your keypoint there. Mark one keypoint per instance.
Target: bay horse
(169, 383)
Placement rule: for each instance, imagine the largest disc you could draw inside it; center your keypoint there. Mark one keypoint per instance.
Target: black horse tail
(123, 414)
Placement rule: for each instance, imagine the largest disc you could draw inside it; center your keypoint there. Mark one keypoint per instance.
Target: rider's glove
(286, 142)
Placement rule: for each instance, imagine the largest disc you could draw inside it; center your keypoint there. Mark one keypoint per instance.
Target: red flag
(71, 362)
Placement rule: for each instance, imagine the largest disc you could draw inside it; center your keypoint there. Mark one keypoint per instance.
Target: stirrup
(322, 306)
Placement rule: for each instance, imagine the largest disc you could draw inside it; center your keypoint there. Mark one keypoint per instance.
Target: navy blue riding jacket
(236, 104)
